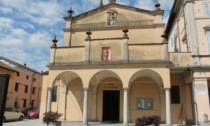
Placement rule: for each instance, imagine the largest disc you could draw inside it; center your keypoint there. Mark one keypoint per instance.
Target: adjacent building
(188, 31)
(115, 66)
(25, 84)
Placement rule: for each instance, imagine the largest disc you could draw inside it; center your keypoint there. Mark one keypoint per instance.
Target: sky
(27, 27)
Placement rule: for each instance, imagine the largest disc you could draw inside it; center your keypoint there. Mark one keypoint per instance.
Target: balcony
(181, 59)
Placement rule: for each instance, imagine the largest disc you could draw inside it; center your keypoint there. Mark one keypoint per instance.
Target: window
(24, 103)
(18, 74)
(26, 88)
(27, 77)
(176, 41)
(208, 37)
(32, 103)
(206, 7)
(34, 79)
(172, 42)
(16, 86)
(175, 95)
(33, 90)
(16, 105)
(54, 94)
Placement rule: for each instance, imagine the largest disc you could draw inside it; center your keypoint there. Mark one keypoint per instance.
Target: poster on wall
(106, 53)
(145, 103)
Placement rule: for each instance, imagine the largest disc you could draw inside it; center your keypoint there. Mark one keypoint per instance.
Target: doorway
(111, 106)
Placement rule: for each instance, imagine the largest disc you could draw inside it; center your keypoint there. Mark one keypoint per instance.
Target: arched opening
(145, 95)
(107, 97)
(69, 96)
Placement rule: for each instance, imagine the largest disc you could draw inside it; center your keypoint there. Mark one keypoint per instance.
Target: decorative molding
(134, 44)
(70, 47)
(202, 17)
(200, 55)
(188, 1)
(108, 6)
(84, 29)
(107, 38)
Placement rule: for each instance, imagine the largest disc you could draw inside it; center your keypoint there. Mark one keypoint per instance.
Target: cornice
(160, 25)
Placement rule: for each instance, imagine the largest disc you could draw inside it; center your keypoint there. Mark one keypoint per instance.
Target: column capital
(200, 79)
(125, 88)
(167, 88)
(85, 88)
(49, 88)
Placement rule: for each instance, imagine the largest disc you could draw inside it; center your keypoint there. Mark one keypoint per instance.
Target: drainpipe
(177, 23)
(185, 30)
(32, 82)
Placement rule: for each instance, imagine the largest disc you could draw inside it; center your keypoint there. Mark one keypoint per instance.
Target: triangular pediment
(124, 13)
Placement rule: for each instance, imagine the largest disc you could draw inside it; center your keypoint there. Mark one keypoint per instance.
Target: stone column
(85, 106)
(49, 99)
(168, 106)
(162, 106)
(125, 108)
(64, 103)
(94, 106)
(129, 107)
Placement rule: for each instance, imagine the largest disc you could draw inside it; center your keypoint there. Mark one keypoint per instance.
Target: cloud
(165, 19)
(41, 12)
(27, 27)
(145, 4)
(6, 10)
(6, 23)
(166, 4)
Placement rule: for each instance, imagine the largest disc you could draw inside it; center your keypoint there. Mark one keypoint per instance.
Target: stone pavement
(37, 122)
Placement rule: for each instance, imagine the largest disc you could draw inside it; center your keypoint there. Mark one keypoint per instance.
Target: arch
(101, 75)
(149, 74)
(66, 77)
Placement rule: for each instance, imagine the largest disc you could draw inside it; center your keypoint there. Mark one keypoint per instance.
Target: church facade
(114, 65)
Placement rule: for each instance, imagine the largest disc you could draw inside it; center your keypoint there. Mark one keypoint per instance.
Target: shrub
(51, 117)
(148, 120)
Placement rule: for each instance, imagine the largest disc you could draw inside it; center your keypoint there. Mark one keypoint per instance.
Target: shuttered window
(208, 37)
(206, 7)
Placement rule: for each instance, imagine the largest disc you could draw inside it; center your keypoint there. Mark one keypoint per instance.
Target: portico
(87, 102)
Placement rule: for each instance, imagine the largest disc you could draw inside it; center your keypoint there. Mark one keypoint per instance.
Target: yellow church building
(115, 66)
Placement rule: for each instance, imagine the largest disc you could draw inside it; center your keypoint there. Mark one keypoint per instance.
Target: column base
(85, 124)
(124, 124)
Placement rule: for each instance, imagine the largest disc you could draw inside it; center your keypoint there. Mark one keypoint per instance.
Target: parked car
(33, 114)
(25, 111)
(11, 113)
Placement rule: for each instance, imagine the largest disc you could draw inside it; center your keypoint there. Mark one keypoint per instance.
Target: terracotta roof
(5, 66)
(20, 65)
(171, 19)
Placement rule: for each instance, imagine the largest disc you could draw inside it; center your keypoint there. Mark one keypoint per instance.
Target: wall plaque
(144, 103)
